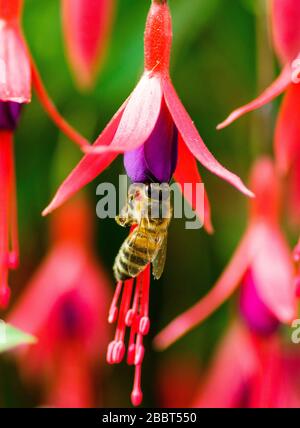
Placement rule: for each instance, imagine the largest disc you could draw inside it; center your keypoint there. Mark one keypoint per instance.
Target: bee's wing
(159, 261)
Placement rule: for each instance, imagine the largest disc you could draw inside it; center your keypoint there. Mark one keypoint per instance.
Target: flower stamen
(135, 317)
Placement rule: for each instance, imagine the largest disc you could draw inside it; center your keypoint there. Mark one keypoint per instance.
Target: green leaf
(11, 337)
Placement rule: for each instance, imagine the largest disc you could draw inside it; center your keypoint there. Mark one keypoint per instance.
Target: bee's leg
(124, 219)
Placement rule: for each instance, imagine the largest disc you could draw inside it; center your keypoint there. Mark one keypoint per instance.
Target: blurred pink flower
(64, 306)
(250, 372)
(134, 125)
(17, 74)
(87, 27)
(262, 253)
(286, 36)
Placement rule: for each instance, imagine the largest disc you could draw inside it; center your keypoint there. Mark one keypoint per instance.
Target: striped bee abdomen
(134, 255)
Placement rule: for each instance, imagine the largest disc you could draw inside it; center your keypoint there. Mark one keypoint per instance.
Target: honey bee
(150, 211)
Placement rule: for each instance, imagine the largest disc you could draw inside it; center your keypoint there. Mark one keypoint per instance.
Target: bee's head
(132, 212)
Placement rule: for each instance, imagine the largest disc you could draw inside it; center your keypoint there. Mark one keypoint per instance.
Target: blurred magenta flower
(250, 372)
(87, 28)
(286, 36)
(255, 312)
(145, 128)
(262, 253)
(64, 306)
(133, 312)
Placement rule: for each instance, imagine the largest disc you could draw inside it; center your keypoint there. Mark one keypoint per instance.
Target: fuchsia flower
(87, 27)
(177, 381)
(261, 264)
(17, 73)
(64, 306)
(286, 36)
(149, 126)
(250, 372)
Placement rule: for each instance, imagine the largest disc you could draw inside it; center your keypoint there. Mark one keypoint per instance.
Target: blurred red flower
(250, 372)
(262, 253)
(64, 306)
(286, 36)
(87, 26)
(17, 73)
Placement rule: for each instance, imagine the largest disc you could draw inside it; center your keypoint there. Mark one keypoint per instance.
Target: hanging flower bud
(87, 29)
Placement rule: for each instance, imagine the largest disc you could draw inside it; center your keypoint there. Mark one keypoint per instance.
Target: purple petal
(156, 159)
(9, 115)
(256, 314)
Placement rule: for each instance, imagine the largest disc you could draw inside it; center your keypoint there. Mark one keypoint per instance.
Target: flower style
(87, 27)
(64, 306)
(250, 372)
(261, 264)
(149, 126)
(17, 73)
(286, 37)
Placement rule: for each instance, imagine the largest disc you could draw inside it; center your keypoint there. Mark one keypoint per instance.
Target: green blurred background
(221, 58)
